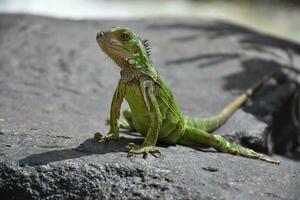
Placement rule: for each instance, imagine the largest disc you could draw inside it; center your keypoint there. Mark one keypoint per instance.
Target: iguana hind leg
(198, 137)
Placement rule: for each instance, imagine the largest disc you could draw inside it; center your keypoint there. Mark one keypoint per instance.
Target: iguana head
(124, 47)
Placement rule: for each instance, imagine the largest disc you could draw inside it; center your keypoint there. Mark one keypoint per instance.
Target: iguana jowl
(154, 112)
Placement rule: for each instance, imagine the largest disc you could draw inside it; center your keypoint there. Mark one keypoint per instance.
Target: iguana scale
(154, 112)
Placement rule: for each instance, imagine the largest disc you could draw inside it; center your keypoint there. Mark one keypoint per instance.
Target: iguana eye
(124, 36)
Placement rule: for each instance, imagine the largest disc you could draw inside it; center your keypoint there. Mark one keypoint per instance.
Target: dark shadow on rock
(205, 149)
(205, 60)
(271, 42)
(254, 70)
(88, 147)
(219, 28)
(285, 128)
(214, 28)
(294, 155)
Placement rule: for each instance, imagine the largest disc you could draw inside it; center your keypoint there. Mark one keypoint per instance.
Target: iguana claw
(145, 150)
(98, 136)
(110, 136)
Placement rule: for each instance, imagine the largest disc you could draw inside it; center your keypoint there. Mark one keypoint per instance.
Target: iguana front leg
(126, 121)
(150, 141)
(116, 103)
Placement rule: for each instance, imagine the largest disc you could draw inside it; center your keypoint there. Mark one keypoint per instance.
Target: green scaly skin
(154, 112)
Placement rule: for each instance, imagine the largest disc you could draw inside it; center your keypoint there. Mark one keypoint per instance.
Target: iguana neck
(130, 73)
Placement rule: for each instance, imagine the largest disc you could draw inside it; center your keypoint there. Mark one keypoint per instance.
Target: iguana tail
(211, 123)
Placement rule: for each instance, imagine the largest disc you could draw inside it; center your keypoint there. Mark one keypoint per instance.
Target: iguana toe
(98, 136)
(111, 137)
(134, 149)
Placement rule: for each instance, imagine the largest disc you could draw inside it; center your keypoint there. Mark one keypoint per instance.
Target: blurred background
(280, 18)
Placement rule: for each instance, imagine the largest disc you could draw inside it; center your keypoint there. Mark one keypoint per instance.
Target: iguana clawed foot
(98, 136)
(145, 150)
(109, 137)
(262, 157)
(243, 151)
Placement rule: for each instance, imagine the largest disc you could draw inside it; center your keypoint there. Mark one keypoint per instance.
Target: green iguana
(154, 112)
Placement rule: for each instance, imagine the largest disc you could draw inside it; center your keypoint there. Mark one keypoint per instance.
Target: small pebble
(210, 169)
(2, 120)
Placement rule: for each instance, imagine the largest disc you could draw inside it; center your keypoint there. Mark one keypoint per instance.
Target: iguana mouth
(112, 47)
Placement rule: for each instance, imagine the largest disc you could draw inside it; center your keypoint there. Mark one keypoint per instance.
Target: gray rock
(55, 92)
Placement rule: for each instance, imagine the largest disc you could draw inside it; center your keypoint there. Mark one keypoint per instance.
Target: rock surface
(55, 92)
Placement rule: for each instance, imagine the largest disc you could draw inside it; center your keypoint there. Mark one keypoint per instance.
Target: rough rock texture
(55, 92)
